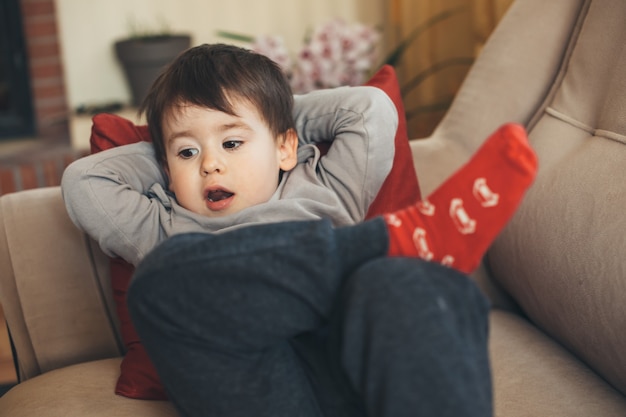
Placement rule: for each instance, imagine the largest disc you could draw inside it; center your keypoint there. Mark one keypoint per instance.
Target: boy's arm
(117, 197)
(361, 123)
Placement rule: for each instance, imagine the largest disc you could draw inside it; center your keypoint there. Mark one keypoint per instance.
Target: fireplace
(32, 89)
(16, 113)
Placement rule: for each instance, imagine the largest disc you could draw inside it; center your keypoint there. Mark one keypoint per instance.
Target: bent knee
(394, 285)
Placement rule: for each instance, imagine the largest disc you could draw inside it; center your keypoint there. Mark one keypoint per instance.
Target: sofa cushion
(138, 377)
(79, 390)
(534, 376)
(562, 255)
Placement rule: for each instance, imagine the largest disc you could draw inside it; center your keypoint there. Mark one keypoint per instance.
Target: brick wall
(41, 168)
(46, 69)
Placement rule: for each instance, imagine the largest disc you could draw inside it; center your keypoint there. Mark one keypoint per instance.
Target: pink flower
(336, 54)
(274, 48)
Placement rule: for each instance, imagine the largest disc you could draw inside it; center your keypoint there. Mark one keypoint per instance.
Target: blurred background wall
(70, 44)
(88, 29)
(431, 69)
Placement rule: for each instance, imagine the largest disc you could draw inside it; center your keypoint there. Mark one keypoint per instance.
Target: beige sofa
(556, 275)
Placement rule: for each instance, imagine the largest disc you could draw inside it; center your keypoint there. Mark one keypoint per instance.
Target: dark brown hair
(210, 75)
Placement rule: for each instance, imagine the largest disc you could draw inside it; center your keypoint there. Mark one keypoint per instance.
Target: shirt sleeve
(118, 197)
(361, 124)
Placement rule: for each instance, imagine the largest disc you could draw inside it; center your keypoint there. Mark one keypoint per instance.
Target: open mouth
(218, 195)
(218, 199)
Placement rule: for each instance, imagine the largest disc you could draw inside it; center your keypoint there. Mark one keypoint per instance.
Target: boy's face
(219, 164)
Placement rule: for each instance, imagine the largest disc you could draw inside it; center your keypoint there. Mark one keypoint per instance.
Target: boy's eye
(232, 144)
(188, 153)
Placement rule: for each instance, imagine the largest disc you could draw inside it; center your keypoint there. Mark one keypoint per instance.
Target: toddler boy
(259, 290)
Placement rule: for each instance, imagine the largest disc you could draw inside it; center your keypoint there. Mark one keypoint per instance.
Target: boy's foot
(456, 223)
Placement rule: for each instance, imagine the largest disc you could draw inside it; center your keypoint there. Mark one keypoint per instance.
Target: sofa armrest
(54, 285)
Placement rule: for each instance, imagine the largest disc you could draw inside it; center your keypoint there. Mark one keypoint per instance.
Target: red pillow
(109, 131)
(138, 378)
(400, 187)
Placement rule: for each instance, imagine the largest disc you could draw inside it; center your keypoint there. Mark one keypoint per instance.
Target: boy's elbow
(381, 109)
(73, 190)
(70, 180)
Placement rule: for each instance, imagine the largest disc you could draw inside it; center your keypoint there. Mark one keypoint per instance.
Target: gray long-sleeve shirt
(119, 196)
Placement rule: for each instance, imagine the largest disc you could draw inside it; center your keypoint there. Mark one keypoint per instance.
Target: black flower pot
(144, 58)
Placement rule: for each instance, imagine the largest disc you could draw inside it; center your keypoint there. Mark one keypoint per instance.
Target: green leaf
(235, 36)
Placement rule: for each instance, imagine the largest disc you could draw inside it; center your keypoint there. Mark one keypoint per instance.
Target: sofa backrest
(54, 285)
(563, 257)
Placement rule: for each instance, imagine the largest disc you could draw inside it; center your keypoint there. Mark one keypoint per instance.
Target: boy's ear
(288, 150)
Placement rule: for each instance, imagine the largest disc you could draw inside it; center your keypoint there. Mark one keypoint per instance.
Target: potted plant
(144, 54)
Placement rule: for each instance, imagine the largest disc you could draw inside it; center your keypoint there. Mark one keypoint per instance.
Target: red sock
(456, 223)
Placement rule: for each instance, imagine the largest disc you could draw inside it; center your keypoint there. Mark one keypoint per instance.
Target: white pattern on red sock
(421, 244)
(463, 222)
(483, 193)
(426, 208)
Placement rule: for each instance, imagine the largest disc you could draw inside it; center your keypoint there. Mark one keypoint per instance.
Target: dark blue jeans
(301, 319)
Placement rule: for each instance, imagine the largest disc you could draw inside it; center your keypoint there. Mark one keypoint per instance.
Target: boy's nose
(211, 164)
